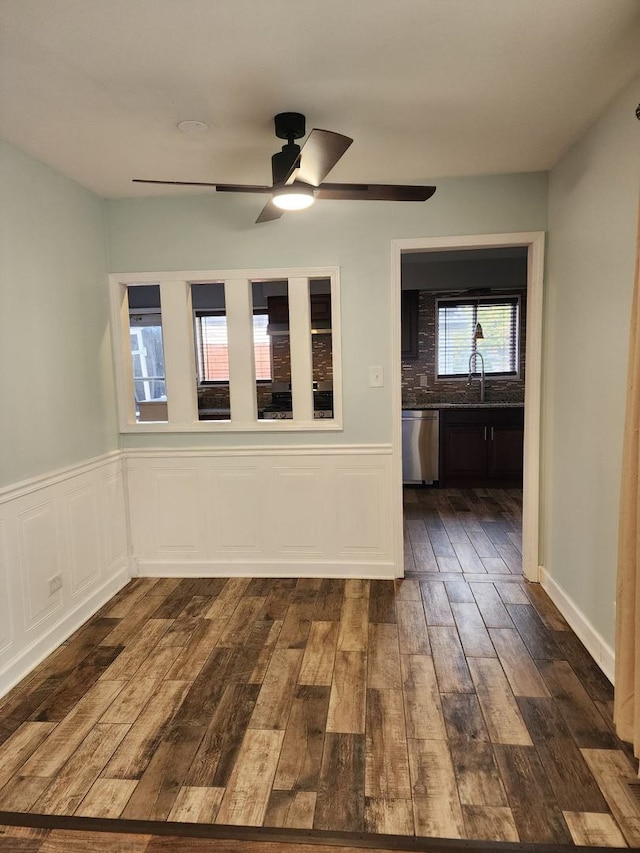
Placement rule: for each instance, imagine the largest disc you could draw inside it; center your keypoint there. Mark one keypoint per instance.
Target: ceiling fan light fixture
(293, 197)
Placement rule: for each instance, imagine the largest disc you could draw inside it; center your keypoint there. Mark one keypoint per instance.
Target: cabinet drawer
(484, 416)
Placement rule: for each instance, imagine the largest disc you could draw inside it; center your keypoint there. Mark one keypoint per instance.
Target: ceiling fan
(298, 173)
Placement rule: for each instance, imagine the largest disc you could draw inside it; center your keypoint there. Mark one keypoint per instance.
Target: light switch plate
(376, 376)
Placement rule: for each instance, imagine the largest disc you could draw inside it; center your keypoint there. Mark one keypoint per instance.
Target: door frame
(534, 241)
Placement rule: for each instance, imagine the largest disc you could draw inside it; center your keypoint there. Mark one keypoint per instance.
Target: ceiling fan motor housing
(290, 126)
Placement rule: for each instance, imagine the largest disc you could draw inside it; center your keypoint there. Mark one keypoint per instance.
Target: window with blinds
(457, 322)
(213, 351)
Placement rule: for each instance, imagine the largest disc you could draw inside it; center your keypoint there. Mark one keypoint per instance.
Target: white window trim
(179, 351)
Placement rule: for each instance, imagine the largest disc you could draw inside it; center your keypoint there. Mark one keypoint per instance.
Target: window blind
(457, 320)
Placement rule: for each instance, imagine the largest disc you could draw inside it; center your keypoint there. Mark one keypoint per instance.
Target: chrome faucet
(475, 355)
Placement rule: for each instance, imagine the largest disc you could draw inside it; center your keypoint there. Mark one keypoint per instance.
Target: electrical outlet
(424, 381)
(55, 583)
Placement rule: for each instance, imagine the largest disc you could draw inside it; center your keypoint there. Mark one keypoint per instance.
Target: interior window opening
(228, 351)
(262, 349)
(321, 347)
(212, 351)
(276, 402)
(147, 353)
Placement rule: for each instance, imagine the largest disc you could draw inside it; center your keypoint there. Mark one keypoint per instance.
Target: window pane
(147, 353)
(213, 348)
(455, 338)
(457, 322)
(499, 346)
(212, 352)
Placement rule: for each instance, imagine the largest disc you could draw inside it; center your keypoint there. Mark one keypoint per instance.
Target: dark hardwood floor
(454, 704)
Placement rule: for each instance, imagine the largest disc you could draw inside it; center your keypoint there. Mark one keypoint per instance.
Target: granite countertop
(487, 405)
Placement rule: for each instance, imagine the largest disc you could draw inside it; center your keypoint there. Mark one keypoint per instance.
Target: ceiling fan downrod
(289, 126)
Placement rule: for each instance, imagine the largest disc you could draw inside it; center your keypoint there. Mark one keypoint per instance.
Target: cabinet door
(505, 453)
(409, 323)
(321, 308)
(464, 457)
(278, 309)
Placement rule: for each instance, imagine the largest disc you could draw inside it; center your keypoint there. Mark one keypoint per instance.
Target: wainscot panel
(63, 554)
(310, 511)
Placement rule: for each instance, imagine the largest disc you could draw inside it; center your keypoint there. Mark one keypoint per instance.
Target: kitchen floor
(456, 703)
(463, 532)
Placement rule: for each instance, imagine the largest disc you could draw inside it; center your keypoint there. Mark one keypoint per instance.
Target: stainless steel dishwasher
(420, 446)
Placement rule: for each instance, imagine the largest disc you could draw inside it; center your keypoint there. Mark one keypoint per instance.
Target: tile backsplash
(420, 386)
(321, 355)
(217, 396)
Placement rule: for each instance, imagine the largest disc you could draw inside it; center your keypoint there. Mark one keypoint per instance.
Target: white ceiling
(427, 88)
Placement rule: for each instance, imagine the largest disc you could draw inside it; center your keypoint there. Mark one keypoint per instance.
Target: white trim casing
(242, 376)
(72, 523)
(534, 240)
(303, 511)
(179, 358)
(300, 347)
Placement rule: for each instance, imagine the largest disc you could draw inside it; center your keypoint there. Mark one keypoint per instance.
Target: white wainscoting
(74, 524)
(295, 511)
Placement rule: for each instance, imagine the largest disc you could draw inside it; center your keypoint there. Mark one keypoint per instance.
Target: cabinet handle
(491, 433)
(485, 433)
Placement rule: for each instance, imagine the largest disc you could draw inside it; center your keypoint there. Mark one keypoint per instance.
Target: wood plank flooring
(455, 703)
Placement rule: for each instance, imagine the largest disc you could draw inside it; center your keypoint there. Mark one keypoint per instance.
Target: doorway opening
(495, 279)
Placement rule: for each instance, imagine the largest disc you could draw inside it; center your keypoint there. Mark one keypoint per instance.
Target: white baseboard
(265, 569)
(30, 657)
(596, 645)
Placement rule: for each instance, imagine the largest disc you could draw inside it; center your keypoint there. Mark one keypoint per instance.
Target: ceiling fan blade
(374, 192)
(319, 154)
(221, 188)
(269, 212)
(242, 188)
(174, 183)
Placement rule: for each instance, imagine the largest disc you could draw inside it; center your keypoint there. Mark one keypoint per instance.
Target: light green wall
(593, 199)
(56, 376)
(217, 232)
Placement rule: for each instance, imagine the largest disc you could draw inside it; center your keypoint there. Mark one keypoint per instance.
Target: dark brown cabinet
(506, 447)
(481, 447)
(278, 310)
(321, 308)
(409, 315)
